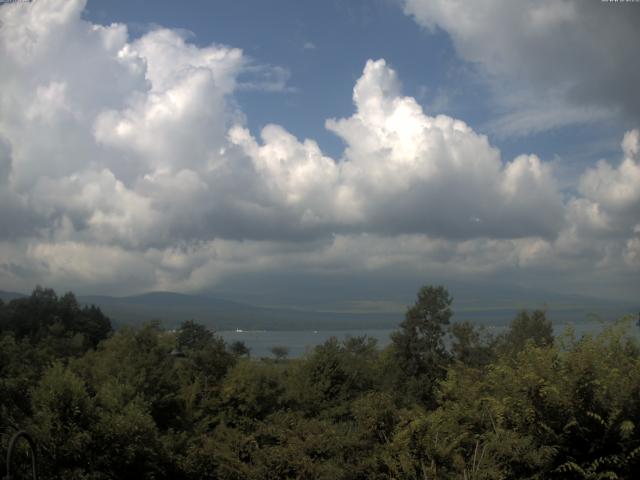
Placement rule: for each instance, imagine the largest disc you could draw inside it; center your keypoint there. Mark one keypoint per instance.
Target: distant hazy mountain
(174, 308)
(482, 307)
(8, 296)
(166, 300)
(488, 301)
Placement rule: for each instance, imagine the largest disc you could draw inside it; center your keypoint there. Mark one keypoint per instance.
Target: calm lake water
(299, 341)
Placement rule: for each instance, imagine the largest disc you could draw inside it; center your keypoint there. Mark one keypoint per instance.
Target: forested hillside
(444, 401)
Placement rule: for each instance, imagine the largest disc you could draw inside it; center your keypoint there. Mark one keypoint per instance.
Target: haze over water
(299, 342)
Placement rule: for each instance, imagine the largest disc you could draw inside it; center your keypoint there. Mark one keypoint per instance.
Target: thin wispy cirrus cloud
(127, 164)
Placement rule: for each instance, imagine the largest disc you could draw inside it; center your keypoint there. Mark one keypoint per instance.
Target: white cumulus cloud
(127, 166)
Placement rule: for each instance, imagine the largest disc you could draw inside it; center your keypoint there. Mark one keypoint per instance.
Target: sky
(338, 151)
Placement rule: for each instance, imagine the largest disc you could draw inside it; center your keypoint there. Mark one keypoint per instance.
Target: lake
(298, 342)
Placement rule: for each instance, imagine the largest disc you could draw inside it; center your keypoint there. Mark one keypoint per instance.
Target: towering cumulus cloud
(405, 172)
(127, 165)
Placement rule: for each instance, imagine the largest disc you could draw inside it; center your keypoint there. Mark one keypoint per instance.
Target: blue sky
(324, 46)
(219, 146)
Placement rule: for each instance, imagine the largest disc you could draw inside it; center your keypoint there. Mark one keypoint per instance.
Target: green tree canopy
(419, 345)
(526, 327)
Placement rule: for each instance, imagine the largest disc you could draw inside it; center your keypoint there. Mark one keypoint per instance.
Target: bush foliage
(442, 401)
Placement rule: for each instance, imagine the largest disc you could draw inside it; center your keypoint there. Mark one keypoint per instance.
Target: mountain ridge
(172, 308)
